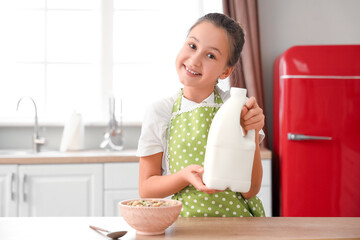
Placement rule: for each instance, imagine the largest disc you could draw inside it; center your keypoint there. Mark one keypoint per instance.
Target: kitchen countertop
(39, 228)
(89, 156)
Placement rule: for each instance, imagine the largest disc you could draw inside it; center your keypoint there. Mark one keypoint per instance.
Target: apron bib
(186, 146)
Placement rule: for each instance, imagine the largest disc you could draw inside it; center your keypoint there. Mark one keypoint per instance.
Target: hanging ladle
(113, 235)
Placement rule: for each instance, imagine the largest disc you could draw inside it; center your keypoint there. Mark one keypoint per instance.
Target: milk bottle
(229, 154)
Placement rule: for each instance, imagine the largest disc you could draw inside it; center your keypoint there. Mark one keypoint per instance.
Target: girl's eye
(193, 46)
(211, 56)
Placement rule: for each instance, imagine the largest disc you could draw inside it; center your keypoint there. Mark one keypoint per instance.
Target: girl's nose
(195, 59)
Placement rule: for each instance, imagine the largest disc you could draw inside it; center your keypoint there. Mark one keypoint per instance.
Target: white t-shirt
(154, 131)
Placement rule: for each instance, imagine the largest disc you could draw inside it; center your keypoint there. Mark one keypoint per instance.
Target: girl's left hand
(252, 116)
(193, 174)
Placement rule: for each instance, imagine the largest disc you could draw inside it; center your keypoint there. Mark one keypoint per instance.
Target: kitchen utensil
(113, 138)
(113, 235)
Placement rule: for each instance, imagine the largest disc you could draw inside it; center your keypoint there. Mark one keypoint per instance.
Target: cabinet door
(61, 190)
(265, 196)
(113, 197)
(8, 190)
(124, 175)
(265, 190)
(121, 183)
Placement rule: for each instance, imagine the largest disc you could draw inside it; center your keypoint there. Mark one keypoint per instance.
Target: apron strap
(177, 103)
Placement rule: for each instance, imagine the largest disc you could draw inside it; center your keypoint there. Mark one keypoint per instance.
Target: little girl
(174, 132)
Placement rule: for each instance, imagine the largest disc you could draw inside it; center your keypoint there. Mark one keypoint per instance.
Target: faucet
(37, 141)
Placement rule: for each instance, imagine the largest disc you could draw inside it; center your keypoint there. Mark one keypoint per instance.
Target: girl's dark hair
(233, 29)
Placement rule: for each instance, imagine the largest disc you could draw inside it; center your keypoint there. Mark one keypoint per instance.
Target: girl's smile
(192, 72)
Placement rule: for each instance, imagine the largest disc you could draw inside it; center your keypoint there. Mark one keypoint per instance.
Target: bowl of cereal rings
(150, 216)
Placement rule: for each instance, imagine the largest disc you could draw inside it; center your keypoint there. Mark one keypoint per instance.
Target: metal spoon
(113, 235)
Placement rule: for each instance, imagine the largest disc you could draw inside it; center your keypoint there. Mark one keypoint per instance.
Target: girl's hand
(193, 174)
(252, 116)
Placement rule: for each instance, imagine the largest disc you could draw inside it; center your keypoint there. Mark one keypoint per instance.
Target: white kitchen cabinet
(121, 183)
(8, 190)
(85, 189)
(265, 190)
(57, 190)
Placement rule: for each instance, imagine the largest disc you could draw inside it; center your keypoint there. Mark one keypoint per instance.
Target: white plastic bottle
(229, 154)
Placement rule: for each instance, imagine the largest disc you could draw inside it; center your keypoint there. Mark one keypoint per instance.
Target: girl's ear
(226, 72)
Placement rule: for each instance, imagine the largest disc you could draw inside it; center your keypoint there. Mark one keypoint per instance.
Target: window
(75, 54)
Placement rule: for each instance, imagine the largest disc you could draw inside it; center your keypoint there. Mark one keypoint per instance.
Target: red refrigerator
(317, 130)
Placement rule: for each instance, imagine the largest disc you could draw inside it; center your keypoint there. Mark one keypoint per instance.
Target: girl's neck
(197, 95)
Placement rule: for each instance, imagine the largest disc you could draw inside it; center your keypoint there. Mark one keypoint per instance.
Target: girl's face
(203, 58)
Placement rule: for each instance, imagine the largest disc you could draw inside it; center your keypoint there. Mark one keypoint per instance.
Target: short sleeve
(149, 141)
(154, 128)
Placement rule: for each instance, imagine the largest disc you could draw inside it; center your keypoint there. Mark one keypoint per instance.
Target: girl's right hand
(252, 116)
(193, 174)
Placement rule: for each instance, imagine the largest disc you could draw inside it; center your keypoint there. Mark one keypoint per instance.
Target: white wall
(285, 23)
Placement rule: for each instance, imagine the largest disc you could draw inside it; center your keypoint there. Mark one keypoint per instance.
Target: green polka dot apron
(187, 139)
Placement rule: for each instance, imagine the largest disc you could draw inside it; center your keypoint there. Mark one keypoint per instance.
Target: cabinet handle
(24, 186)
(12, 186)
(302, 137)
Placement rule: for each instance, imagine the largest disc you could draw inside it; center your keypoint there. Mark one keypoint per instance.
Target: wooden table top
(40, 228)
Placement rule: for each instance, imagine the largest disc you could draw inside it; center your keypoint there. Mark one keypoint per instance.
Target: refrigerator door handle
(302, 137)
